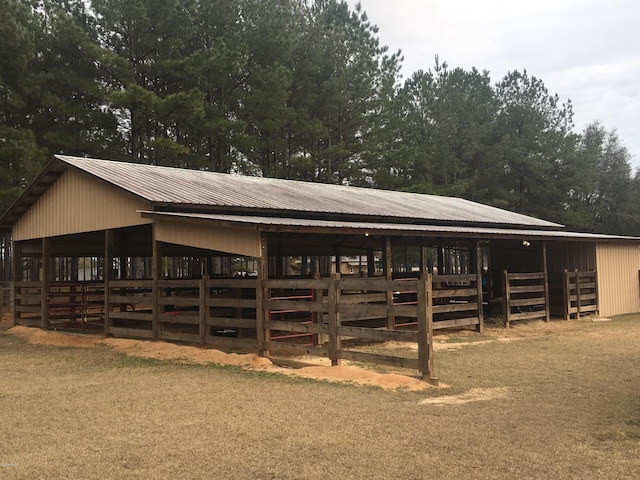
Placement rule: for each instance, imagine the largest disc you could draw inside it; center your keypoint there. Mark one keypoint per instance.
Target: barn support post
(506, 297)
(388, 269)
(425, 328)
(262, 314)
(46, 283)
(108, 273)
(334, 319)
(546, 282)
(156, 269)
(203, 311)
(17, 277)
(477, 253)
(371, 263)
(566, 294)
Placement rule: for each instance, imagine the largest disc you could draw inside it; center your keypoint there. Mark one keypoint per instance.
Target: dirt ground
(557, 400)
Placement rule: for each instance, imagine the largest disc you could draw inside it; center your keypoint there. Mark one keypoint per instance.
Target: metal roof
(292, 224)
(182, 189)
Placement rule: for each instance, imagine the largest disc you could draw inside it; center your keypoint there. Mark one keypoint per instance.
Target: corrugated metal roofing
(181, 187)
(381, 227)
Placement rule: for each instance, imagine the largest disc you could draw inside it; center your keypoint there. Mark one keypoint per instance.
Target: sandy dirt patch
(169, 351)
(473, 395)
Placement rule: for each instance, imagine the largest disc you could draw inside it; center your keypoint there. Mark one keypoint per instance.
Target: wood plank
(375, 310)
(376, 359)
(519, 289)
(147, 317)
(249, 283)
(231, 342)
(131, 300)
(131, 332)
(455, 307)
(347, 299)
(301, 284)
(137, 284)
(526, 276)
(297, 327)
(179, 301)
(232, 302)
(231, 322)
(295, 306)
(456, 293)
(527, 302)
(187, 283)
(293, 349)
(376, 284)
(179, 336)
(527, 315)
(179, 319)
(453, 278)
(456, 322)
(380, 334)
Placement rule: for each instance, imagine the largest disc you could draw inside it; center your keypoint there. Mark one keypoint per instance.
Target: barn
(277, 265)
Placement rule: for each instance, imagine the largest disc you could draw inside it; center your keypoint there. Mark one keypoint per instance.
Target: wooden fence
(332, 317)
(6, 297)
(336, 317)
(28, 298)
(526, 296)
(580, 293)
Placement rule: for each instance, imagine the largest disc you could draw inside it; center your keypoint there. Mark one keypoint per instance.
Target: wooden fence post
(46, 283)
(506, 297)
(334, 319)
(478, 259)
(546, 283)
(578, 292)
(425, 328)
(203, 309)
(566, 294)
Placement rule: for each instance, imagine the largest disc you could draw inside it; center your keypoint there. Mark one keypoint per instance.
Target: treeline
(298, 89)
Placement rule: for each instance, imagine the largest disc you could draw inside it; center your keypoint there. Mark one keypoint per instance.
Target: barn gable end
(78, 203)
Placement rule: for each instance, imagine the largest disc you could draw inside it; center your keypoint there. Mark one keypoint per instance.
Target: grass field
(558, 400)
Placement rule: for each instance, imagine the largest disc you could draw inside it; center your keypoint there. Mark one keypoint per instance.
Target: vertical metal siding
(618, 281)
(240, 241)
(78, 203)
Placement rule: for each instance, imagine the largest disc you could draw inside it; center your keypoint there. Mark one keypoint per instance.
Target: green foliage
(299, 89)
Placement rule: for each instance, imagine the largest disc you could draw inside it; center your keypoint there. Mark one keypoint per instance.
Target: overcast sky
(584, 50)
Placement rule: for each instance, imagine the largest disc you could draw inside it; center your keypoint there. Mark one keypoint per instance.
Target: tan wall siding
(222, 239)
(618, 282)
(78, 203)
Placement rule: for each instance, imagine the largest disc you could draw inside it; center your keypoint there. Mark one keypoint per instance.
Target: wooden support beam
(546, 282)
(477, 252)
(262, 320)
(156, 271)
(108, 276)
(16, 274)
(388, 273)
(203, 311)
(46, 282)
(334, 319)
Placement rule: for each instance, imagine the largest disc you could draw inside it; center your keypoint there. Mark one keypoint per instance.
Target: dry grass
(558, 400)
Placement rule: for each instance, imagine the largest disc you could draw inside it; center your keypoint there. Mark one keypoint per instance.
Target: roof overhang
(297, 225)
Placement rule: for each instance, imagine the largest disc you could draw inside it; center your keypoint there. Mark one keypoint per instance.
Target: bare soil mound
(169, 351)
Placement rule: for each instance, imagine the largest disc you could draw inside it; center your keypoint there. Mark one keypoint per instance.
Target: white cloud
(585, 50)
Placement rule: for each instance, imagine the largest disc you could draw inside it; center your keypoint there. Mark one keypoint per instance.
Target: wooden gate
(580, 293)
(526, 296)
